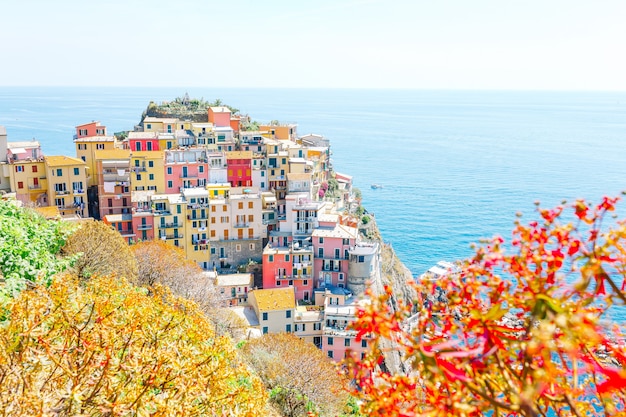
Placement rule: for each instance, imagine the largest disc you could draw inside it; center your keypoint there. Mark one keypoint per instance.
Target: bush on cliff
(104, 347)
(525, 328)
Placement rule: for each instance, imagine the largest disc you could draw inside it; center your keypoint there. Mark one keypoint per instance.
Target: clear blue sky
(449, 44)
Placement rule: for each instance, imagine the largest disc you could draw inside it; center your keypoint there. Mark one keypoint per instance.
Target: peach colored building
(29, 181)
(219, 116)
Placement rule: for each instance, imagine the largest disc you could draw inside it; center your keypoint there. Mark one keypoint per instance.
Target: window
(59, 172)
(363, 343)
(34, 168)
(170, 184)
(270, 258)
(201, 169)
(341, 276)
(320, 253)
(151, 164)
(361, 259)
(83, 158)
(250, 204)
(136, 162)
(321, 240)
(330, 354)
(20, 184)
(251, 246)
(238, 248)
(99, 146)
(305, 282)
(330, 341)
(138, 177)
(288, 328)
(337, 252)
(346, 342)
(148, 126)
(286, 258)
(240, 206)
(264, 316)
(151, 176)
(264, 330)
(169, 170)
(288, 314)
(317, 326)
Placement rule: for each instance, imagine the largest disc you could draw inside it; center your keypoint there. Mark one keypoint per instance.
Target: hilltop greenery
(184, 108)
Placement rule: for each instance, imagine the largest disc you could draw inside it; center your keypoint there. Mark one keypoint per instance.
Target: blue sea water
(455, 165)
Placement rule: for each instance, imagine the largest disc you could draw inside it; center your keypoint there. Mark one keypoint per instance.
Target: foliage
(365, 219)
(161, 263)
(185, 107)
(104, 347)
(522, 330)
(298, 375)
(29, 245)
(102, 251)
(360, 211)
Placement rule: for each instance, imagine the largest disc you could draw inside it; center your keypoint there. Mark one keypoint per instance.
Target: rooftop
(275, 299)
(60, 161)
(118, 154)
(339, 231)
(95, 139)
(231, 280)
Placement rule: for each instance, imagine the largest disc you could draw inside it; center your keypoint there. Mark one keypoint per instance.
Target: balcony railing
(144, 227)
(169, 237)
(64, 192)
(199, 217)
(34, 187)
(170, 225)
(241, 225)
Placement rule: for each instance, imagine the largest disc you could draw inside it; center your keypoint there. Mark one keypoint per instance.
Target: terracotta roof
(275, 299)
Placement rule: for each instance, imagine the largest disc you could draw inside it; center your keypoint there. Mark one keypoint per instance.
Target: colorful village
(262, 212)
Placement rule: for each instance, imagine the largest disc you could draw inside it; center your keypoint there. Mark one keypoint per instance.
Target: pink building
(143, 141)
(90, 129)
(219, 116)
(239, 167)
(289, 265)
(143, 218)
(185, 168)
(332, 242)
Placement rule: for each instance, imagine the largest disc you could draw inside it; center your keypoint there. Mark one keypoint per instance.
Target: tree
(104, 347)
(30, 247)
(524, 329)
(161, 263)
(298, 375)
(101, 250)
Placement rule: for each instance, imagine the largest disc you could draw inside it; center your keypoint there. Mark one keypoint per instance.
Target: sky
(417, 44)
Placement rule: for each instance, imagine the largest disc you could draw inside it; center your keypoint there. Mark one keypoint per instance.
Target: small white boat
(440, 270)
(376, 186)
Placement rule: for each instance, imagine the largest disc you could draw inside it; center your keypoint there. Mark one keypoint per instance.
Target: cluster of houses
(227, 197)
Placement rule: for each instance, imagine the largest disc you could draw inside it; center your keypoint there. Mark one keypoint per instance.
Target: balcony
(170, 237)
(170, 225)
(34, 187)
(114, 175)
(240, 225)
(138, 169)
(144, 227)
(64, 192)
(283, 277)
(197, 206)
(78, 191)
(161, 212)
(190, 176)
(199, 217)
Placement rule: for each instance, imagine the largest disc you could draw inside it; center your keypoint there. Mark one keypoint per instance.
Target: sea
(454, 166)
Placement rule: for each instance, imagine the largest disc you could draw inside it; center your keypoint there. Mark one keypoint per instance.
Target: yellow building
(170, 211)
(147, 171)
(29, 181)
(86, 148)
(218, 190)
(197, 246)
(160, 124)
(275, 309)
(67, 180)
(281, 131)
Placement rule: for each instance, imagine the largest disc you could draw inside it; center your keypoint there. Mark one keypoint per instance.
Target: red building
(143, 141)
(239, 168)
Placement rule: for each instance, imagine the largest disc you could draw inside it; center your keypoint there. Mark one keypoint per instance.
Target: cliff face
(396, 275)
